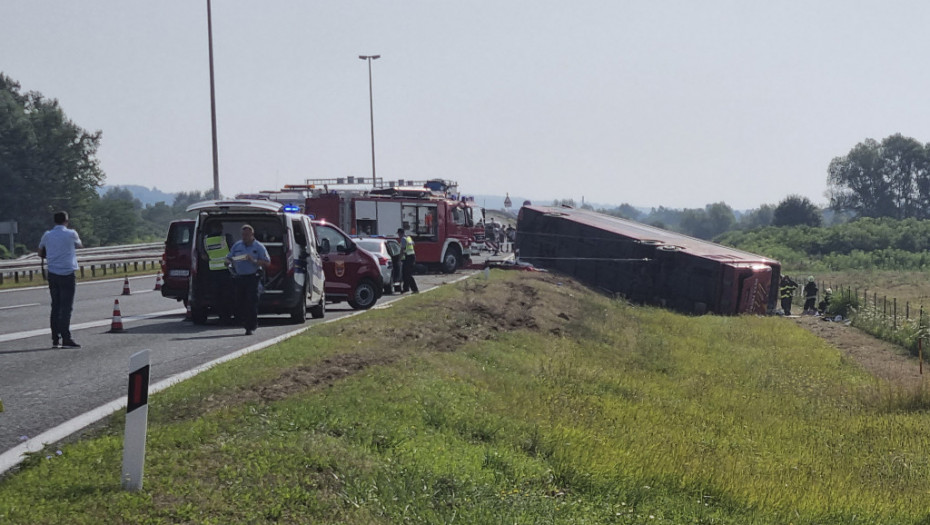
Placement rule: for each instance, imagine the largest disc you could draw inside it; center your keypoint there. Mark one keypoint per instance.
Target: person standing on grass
(58, 247)
(810, 296)
(247, 257)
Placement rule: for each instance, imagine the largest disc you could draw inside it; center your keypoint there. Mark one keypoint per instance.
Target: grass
(523, 399)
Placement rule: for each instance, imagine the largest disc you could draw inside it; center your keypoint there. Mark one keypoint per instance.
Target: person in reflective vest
(410, 261)
(216, 246)
(786, 289)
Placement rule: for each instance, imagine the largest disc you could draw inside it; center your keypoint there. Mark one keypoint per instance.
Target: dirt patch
(482, 311)
(880, 358)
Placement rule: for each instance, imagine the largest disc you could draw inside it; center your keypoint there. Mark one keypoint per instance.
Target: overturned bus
(646, 264)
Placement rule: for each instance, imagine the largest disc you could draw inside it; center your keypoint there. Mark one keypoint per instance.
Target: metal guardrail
(90, 261)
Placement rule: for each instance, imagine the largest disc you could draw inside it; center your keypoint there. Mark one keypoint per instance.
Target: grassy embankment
(525, 399)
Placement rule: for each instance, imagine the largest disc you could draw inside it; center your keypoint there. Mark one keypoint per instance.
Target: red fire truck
(441, 222)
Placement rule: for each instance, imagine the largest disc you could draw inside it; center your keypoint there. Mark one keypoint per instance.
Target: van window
(180, 234)
(337, 242)
(300, 237)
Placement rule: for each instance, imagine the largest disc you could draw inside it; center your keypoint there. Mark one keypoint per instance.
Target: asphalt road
(42, 387)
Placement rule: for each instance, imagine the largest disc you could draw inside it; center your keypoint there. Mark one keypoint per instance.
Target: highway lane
(43, 387)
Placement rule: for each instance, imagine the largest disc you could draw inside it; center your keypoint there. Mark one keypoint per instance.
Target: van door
(176, 261)
(314, 262)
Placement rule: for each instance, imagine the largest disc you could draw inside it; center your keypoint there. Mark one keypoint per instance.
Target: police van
(292, 284)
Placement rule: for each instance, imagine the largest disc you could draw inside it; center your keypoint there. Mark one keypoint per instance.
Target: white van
(293, 280)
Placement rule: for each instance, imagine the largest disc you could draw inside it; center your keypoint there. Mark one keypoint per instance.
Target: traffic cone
(158, 282)
(126, 287)
(187, 315)
(117, 324)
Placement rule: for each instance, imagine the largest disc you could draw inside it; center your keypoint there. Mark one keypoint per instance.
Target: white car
(387, 251)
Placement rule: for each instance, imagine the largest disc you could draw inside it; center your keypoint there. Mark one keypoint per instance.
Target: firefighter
(410, 260)
(825, 303)
(787, 287)
(810, 296)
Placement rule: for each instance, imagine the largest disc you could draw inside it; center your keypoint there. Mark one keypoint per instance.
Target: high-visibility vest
(409, 249)
(216, 251)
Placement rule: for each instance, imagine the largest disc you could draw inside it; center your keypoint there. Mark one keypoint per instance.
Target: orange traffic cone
(158, 282)
(117, 324)
(126, 287)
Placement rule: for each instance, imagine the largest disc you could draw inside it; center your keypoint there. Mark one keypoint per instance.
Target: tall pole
(216, 167)
(371, 107)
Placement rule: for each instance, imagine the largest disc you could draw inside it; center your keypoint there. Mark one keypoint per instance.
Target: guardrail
(91, 261)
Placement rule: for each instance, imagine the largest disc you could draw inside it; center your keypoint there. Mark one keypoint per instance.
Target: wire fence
(900, 322)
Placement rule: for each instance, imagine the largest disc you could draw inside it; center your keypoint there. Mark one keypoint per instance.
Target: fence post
(93, 271)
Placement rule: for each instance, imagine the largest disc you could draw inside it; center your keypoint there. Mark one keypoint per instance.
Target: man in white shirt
(57, 247)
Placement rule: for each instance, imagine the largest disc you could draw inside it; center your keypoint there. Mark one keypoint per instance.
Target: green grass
(623, 415)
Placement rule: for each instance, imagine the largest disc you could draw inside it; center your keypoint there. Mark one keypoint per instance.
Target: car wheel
(365, 295)
(319, 310)
(452, 260)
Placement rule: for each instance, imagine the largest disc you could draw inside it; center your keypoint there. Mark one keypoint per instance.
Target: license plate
(179, 273)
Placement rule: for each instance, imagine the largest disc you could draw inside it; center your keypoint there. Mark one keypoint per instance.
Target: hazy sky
(674, 103)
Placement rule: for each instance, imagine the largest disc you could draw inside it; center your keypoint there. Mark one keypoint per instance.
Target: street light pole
(216, 167)
(371, 107)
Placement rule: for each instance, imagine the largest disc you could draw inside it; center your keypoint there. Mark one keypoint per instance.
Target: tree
(887, 179)
(795, 210)
(184, 199)
(758, 218)
(47, 162)
(713, 220)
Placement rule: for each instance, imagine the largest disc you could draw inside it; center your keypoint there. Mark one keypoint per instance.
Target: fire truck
(441, 222)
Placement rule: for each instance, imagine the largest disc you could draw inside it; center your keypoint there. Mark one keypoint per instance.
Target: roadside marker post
(137, 417)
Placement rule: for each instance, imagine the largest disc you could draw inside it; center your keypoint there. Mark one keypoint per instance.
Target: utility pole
(371, 107)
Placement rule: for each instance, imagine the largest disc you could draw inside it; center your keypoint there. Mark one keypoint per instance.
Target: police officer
(217, 248)
(410, 260)
(247, 257)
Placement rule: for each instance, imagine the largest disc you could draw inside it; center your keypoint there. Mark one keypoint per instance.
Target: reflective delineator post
(137, 416)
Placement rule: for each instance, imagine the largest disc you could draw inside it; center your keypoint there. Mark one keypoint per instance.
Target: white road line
(19, 306)
(93, 324)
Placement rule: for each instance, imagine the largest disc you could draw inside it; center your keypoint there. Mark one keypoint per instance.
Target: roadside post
(137, 415)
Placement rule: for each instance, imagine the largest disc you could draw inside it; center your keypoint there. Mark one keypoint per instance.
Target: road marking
(19, 306)
(93, 324)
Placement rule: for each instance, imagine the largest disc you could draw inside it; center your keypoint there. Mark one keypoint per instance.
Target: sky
(650, 102)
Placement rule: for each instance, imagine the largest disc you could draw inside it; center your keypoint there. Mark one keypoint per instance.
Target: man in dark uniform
(247, 258)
